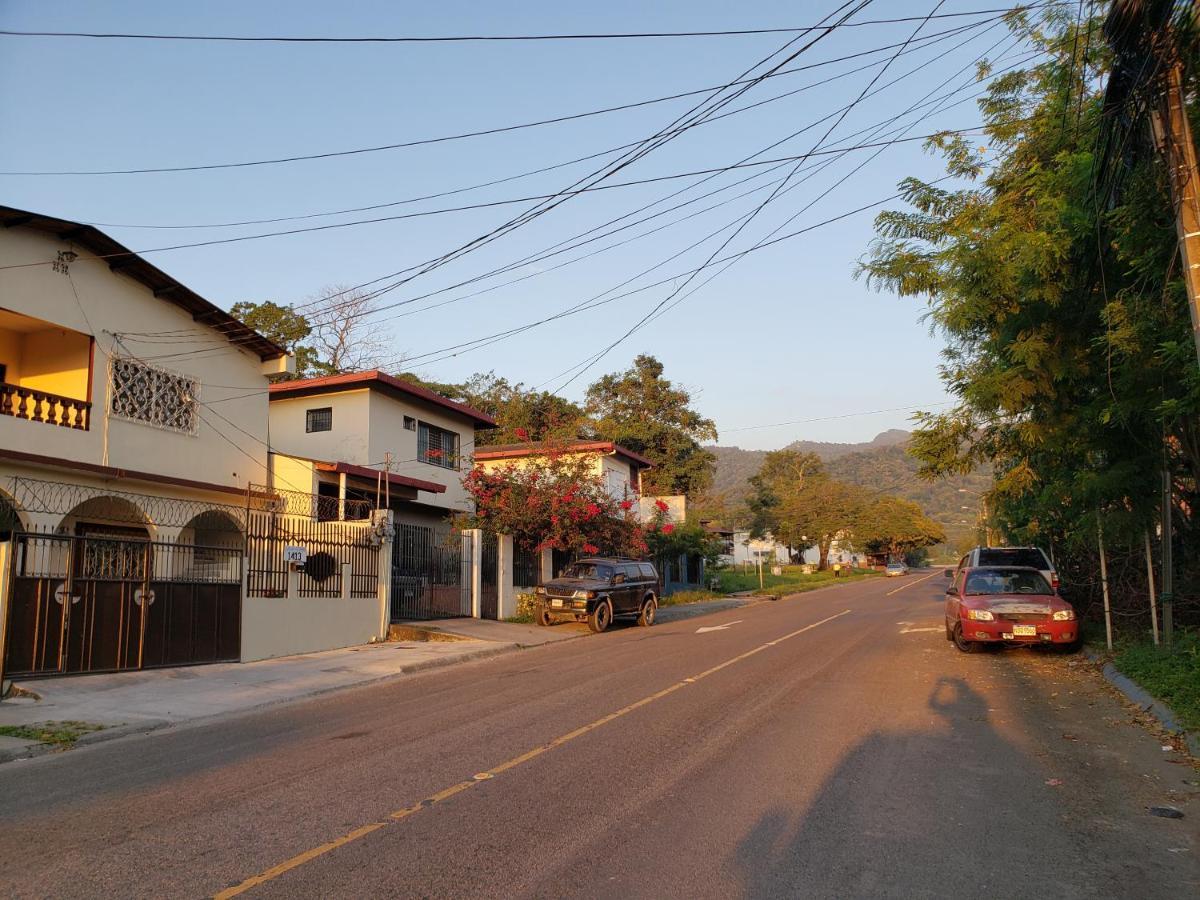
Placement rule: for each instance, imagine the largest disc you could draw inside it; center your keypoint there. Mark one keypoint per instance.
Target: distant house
(748, 550)
(372, 436)
(619, 468)
(727, 537)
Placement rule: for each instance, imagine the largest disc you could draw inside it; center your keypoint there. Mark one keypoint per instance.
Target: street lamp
(983, 512)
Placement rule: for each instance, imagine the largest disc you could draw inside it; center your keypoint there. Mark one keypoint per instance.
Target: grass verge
(1172, 676)
(681, 597)
(792, 581)
(62, 734)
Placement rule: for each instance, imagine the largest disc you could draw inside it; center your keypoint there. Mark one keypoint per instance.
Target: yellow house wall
(10, 355)
(56, 361)
(98, 302)
(291, 474)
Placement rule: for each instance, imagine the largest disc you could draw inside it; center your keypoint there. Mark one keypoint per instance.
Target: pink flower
(590, 548)
(662, 506)
(668, 528)
(626, 504)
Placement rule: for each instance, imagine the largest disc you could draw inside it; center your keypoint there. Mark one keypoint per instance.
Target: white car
(1030, 557)
(895, 569)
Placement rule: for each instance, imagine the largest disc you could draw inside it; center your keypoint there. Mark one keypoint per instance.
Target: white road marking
(905, 587)
(918, 630)
(708, 628)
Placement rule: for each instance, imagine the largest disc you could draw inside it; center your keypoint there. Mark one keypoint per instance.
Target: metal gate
(489, 595)
(104, 604)
(431, 574)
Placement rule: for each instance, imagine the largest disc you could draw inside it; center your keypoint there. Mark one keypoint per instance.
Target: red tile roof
(380, 381)
(372, 474)
(516, 451)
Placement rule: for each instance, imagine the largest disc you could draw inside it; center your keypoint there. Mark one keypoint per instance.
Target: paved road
(832, 745)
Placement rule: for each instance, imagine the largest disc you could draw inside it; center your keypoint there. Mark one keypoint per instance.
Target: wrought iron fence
(330, 545)
(320, 507)
(430, 574)
(527, 567)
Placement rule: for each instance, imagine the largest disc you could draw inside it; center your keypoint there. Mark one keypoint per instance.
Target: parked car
(1034, 557)
(1007, 605)
(895, 569)
(598, 590)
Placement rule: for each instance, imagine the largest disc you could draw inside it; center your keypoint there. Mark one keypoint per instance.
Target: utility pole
(1173, 134)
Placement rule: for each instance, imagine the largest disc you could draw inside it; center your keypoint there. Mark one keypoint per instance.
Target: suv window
(1030, 557)
(648, 571)
(588, 570)
(632, 573)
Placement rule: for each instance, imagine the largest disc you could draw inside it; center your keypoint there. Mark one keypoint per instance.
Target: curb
(1139, 697)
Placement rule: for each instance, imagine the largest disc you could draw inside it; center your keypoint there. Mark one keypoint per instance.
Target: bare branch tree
(343, 340)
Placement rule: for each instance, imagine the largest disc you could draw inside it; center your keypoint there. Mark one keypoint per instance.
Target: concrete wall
(281, 626)
(55, 360)
(97, 302)
(347, 442)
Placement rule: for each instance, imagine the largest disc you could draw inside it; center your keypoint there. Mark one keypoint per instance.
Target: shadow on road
(953, 809)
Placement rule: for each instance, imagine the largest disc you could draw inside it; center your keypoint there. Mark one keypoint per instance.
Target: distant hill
(882, 464)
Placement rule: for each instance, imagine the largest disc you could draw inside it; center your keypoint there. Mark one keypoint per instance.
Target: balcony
(45, 372)
(40, 406)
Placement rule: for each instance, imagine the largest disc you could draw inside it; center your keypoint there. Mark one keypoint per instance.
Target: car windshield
(1007, 581)
(895, 565)
(588, 570)
(1013, 556)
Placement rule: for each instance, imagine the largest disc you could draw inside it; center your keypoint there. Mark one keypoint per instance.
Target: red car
(1007, 605)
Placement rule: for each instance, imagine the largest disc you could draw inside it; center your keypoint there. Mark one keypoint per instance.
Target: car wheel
(649, 610)
(962, 643)
(542, 617)
(601, 617)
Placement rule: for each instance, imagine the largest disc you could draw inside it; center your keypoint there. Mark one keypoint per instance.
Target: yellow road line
(446, 793)
(910, 584)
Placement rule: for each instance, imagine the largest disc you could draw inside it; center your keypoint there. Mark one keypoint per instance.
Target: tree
(895, 527)
(286, 327)
(645, 412)
(1067, 329)
(821, 511)
(783, 472)
(344, 340)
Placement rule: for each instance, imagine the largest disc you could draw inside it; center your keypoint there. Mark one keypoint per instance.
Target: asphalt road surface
(830, 745)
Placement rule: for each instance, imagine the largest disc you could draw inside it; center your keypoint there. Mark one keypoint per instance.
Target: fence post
(384, 578)
(476, 538)
(293, 583)
(347, 577)
(244, 604)
(547, 565)
(506, 595)
(6, 584)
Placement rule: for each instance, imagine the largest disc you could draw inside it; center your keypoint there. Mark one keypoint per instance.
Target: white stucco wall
(281, 626)
(388, 434)
(102, 303)
(347, 442)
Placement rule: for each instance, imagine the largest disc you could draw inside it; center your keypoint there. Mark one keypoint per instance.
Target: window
(648, 571)
(632, 573)
(410, 424)
(153, 396)
(437, 446)
(320, 419)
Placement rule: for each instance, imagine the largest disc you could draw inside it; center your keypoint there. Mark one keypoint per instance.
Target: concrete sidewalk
(130, 702)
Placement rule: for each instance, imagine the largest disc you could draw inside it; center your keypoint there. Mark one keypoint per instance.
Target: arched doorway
(107, 515)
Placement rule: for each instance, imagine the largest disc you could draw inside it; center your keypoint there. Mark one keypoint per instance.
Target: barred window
(437, 446)
(154, 396)
(318, 419)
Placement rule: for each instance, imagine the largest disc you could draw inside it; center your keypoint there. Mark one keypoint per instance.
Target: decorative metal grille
(113, 560)
(60, 498)
(153, 396)
(313, 506)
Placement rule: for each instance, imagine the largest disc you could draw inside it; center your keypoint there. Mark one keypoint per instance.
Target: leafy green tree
(896, 527)
(1067, 333)
(783, 472)
(287, 328)
(642, 410)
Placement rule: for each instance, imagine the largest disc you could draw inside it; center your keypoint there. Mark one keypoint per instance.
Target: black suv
(598, 590)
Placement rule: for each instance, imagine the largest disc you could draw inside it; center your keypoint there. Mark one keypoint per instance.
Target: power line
(416, 39)
(596, 358)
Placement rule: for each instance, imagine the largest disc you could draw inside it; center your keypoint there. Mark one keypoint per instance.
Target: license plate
(1024, 631)
(556, 602)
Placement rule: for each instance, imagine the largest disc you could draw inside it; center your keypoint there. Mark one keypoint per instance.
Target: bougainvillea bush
(555, 501)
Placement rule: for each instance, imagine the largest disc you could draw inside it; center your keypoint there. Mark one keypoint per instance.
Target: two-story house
(133, 429)
(370, 435)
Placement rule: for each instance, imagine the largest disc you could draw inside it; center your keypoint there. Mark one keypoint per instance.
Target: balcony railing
(40, 406)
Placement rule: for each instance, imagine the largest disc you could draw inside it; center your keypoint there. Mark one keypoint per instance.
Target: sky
(786, 334)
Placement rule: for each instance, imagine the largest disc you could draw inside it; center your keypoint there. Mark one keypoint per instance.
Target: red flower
(668, 528)
(590, 548)
(554, 520)
(593, 510)
(662, 506)
(626, 504)
(522, 434)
